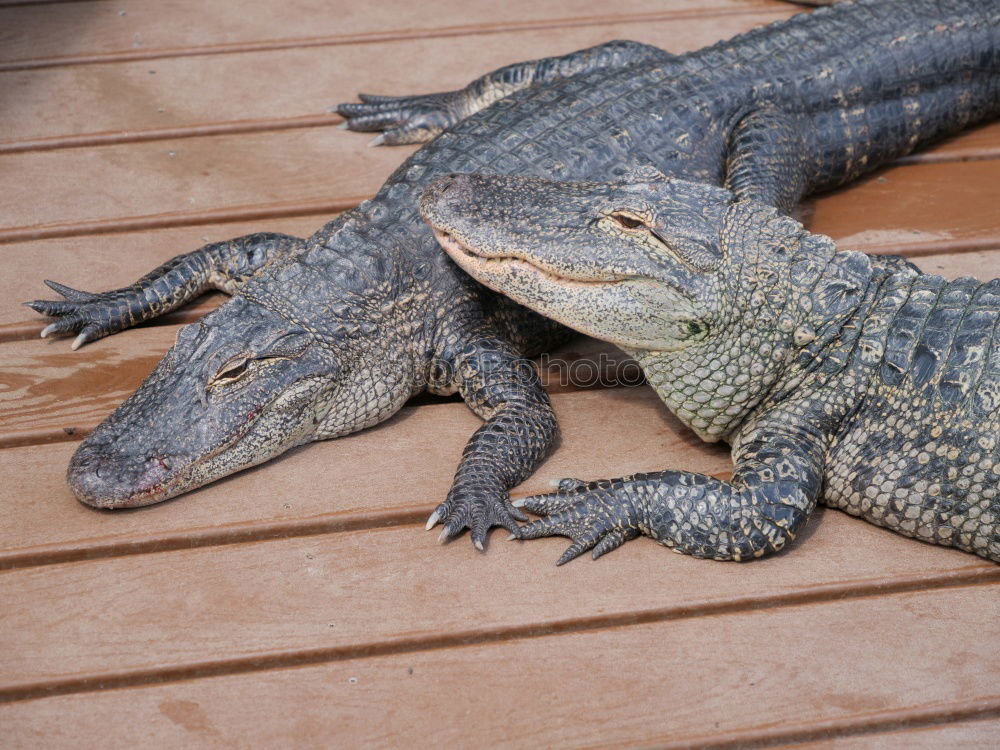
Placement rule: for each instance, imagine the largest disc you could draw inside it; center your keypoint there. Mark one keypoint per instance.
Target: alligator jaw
(139, 480)
(86, 465)
(471, 259)
(465, 256)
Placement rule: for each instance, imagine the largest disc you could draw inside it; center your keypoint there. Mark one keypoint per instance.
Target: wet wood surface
(301, 603)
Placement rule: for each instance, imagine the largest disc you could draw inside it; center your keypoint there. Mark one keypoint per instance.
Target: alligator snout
(448, 196)
(102, 478)
(451, 187)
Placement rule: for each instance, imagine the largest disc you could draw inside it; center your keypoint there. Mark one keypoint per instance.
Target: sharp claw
(443, 536)
(79, 341)
(68, 292)
(478, 544)
(375, 98)
(519, 503)
(512, 537)
(432, 521)
(377, 140)
(571, 553)
(49, 329)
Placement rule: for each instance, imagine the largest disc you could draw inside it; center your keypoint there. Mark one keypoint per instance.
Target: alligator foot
(595, 515)
(477, 509)
(90, 316)
(220, 265)
(403, 119)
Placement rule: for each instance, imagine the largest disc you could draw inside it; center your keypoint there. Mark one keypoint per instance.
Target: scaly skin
(378, 313)
(844, 378)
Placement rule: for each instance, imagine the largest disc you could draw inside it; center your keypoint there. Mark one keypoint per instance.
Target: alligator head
(713, 296)
(634, 263)
(302, 354)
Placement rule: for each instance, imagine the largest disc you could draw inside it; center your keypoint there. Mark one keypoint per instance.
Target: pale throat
(707, 390)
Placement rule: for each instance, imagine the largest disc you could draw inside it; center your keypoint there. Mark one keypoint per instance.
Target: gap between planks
(264, 125)
(377, 36)
(19, 3)
(863, 725)
(115, 137)
(915, 249)
(978, 575)
(182, 218)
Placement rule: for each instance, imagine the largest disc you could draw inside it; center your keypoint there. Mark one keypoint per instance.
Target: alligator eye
(231, 370)
(627, 221)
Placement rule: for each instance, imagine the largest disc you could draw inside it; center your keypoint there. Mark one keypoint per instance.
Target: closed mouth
(467, 256)
(174, 483)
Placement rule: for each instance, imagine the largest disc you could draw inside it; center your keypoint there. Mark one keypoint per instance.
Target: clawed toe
(402, 119)
(586, 513)
(85, 314)
(476, 511)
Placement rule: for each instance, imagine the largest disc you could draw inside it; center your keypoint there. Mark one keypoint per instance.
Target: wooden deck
(301, 603)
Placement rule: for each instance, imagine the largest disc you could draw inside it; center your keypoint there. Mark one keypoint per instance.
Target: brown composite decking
(301, 603)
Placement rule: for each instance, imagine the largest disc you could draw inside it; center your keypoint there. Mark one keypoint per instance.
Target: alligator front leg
(764, 159)
(221, 265)
(418, 119)
(773, 491)
(519, 431)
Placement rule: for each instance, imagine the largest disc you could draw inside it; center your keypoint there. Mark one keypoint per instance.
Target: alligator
(837, 377)
(326, 336)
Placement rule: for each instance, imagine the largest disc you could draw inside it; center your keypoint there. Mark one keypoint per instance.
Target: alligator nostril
(457, 191)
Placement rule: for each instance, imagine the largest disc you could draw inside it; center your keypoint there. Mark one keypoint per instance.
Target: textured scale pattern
(386, 313)
(922, 457)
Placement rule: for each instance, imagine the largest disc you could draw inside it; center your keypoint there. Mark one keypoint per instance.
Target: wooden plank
(797, 670)
(133, 29)
(177, 180)
(90, 104)
(50, 393)
(922, 207)
(982, 264)
(918, 208)
(981, 142)
(211, 607)
(43, 522)
(980, 733)
(6, 3)
(914, 210)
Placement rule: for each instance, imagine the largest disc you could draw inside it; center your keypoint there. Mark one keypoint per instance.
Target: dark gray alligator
(332, 334)
(845, 378)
